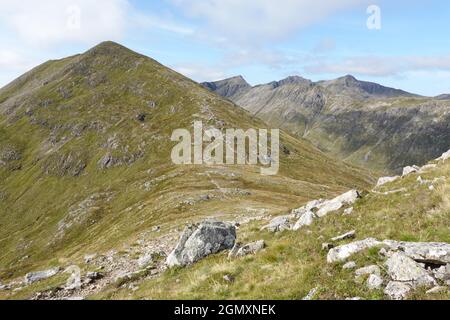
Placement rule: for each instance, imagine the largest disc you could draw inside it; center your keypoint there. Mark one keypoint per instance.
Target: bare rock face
(343, 252)
(404, 269)
(199, 241)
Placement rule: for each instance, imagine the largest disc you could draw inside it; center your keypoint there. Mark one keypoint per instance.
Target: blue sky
(263, 40)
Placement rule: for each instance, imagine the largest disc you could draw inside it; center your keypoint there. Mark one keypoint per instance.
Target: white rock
(348, 211)
(305, 220)
(345, 251)
(335, 204)
(397, 290)
(250, 248)
(374, 282)
(40, 275)
(384, 180)
(410, 169)
(311, 294)
(278, 224)
(349, 265)
(404, 269)
(348, 235)
(436, 290)
(428, 252)
(427, 167)
(445, 156)
(373, 269)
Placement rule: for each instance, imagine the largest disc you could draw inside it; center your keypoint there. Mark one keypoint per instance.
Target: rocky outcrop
(397, 290)
(320, 208)
(424, 252)
(33, 277)
(404, 269)
(199, 241)
(345, 251)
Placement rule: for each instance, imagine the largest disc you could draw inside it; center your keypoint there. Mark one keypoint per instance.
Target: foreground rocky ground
(359, 260)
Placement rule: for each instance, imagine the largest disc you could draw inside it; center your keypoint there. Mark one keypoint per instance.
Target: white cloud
(259, 21)
(381, 66)
(48, 22)
(199, 72)
(11, 60)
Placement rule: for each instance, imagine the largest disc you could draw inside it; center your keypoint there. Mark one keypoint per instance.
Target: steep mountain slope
(361, 122)
(85, 165)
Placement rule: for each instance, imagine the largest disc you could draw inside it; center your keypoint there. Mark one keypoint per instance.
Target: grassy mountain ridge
(85, 160)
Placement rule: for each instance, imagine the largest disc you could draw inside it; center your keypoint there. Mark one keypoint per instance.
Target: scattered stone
(305, 220)
(404, 269)
(397, 290)
(343, 252)
(385, 180)
(228, 278)
(250, 248)
(354, 299)
(40, 275)
(327, 246)
(199, 241)
(348, 211)
(141, 117)
(437, 290)
(349, 265)
(373, 269)
(311, 294)
(374, 282)
(156, 229)
(348, 235)
(410, 169)
(89, 258)
(278, 224)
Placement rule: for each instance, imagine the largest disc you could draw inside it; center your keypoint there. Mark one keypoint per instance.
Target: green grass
(293, 262)
(108, 87)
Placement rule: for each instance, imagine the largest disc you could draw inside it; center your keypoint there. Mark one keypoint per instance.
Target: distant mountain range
(363, 122)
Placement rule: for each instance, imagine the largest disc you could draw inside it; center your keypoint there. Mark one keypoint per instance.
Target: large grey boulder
(404, 269)
(341, 253)
(40, 275)
(397, 290)
(278, 224)
(199, 241)
(427, 252)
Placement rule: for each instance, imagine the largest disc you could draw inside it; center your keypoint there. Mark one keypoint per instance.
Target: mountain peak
(109, 48)
(230, 87)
